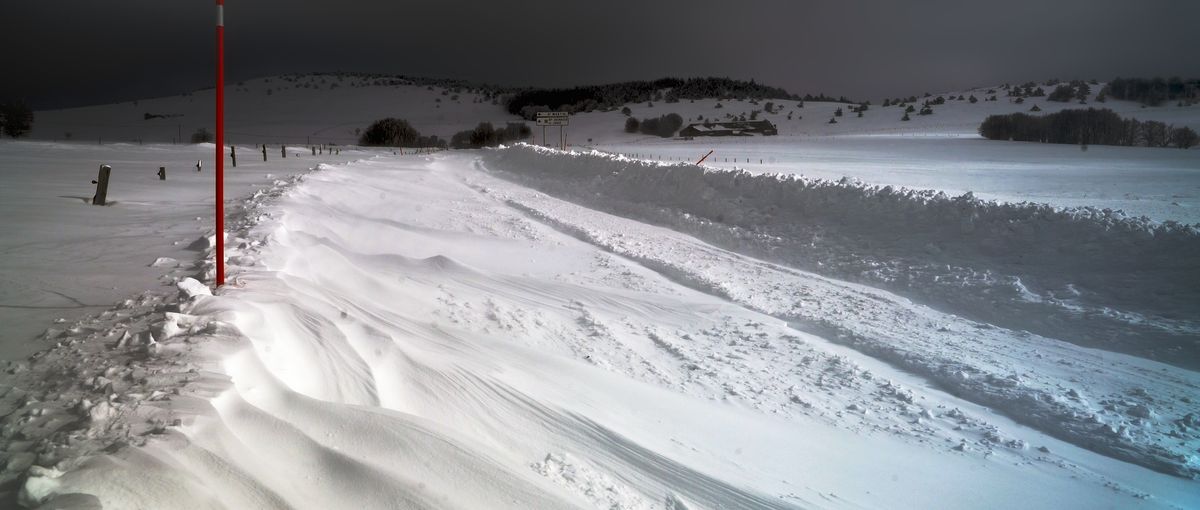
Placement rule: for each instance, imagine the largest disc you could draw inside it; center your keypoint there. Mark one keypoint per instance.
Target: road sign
(560, 119)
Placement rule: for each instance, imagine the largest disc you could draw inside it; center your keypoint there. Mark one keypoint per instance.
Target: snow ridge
(1140, 413)
(1093, 277)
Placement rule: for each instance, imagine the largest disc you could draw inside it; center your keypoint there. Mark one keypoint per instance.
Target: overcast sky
(71, 52)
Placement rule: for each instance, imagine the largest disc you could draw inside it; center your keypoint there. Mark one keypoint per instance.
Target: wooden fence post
(162, 173)
(101, 183)
(233, 154)
(283, 151)
(314, 149)
(264, 152)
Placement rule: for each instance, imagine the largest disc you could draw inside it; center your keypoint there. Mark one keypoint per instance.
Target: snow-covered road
(416, 332)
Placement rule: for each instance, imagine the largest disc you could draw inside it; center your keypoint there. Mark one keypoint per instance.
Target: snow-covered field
(941, 151)
(530, 328)
(63, 257)
(413, 331)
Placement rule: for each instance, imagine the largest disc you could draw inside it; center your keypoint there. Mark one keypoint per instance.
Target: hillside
(330, 108)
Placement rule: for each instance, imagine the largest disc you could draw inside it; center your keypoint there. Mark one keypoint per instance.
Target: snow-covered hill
(421, 332)
(864, 314)
(329, 108)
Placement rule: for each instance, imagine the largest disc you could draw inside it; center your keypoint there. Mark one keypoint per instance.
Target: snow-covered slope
(308, 109)
(62, 257)
(529, 328)
(959, 249)
(940, 151)
(415, 332)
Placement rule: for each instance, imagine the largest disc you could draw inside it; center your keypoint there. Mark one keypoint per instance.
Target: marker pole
(220, 143)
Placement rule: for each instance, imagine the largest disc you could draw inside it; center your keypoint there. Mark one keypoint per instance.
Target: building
(730, 128)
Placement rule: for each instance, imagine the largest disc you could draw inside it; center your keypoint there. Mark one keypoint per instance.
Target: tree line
(1090, 126)
(393, 132)
(16, 119)
(611, 96)
(1154, 91)
(487, 135)
(665, 126)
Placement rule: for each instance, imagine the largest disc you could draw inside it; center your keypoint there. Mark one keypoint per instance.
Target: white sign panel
(553, 115)
(544, 121)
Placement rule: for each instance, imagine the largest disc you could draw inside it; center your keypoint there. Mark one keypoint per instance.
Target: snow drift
(1094, 277)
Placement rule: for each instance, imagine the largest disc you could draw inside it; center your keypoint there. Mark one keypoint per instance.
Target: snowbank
(1093, 277)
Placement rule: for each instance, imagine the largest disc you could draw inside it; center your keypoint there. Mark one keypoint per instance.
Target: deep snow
(63, 257)
(530, 328)
(414, 332)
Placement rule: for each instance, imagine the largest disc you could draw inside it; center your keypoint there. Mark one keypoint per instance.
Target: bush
(1062, 94)
(202, 136)
(1184, 137)
(632, 125)
(16, 118)
(665, 126)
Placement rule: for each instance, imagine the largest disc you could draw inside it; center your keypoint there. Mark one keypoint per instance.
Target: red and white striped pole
(220, 142)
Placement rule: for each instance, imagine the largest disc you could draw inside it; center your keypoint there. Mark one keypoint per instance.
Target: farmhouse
(732, 128)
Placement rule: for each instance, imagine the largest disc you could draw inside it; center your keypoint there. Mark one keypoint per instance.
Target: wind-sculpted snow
(1139, 411)
(410, 332)
(1093, 277)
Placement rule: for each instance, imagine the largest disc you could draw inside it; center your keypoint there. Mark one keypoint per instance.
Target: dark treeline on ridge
(668, 90)
(1154, 91)
(1090, 126)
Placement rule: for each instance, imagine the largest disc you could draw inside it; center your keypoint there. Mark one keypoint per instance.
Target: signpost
(560, 119)
(220, 143)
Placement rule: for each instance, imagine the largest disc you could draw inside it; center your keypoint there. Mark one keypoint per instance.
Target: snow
(408, 331)
(1088, 276)
(64, 257)
(530, 328)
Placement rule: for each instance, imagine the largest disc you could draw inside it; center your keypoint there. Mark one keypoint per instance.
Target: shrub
(16, 118)
(202, 136)
(1062, 94)
(1184, 137)
(665, 126)
(631, 125)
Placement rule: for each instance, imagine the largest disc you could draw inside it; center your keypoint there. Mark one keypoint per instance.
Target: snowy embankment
(407, 332)
(985, 254)
(1093, 277)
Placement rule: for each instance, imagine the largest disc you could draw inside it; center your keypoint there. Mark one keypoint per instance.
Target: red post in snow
(220, 142)
(705, 157)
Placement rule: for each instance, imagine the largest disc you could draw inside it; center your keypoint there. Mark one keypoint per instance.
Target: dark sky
(70, 52)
